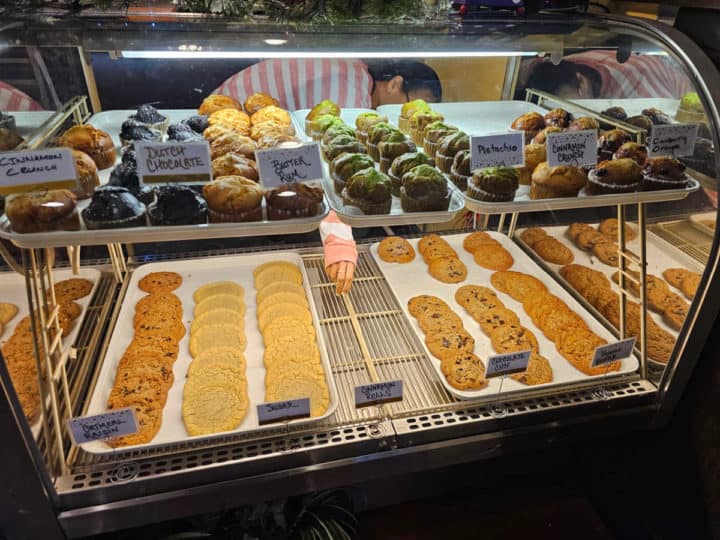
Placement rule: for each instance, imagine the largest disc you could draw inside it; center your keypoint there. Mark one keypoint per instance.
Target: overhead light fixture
(200, 54)
(275, 42)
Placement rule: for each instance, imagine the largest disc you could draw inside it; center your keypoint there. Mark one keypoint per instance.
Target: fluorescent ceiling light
(199, 54)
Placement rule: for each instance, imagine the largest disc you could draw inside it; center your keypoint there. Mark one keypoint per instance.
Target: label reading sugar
(501, 365)
(499, 150)
(282, 411)
(31, 170)
(163, 163)
(103, 426)
(607, 354)
(672, 140)
(574, 148)
(376, 393)
(288, 164)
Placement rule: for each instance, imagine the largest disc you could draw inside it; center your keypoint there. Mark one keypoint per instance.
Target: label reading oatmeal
(282, 411)
(607, 354)
(377, 393)
(501, 365)
(103, 426)
(574, 148)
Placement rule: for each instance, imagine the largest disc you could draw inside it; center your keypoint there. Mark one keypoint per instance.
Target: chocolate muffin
(610, 141)
(449, 148)
(616, 176)
(641, 121)
(558, 118)
(182, 132)
(340, 145)
(114, 207)
(633, 150)
(618, 113)
(424, 189)
(494, 184)
(460, 171)
(147, 114)
(345, 165)
(392, 146)
(403, 164)
(133, 130)
(663, 173)
(370, 191)
(125, 175)
(177, 205)
(292, 201)
(656, 116)
(198, 123)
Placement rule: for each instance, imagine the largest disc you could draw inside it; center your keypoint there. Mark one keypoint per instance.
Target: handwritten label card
(672, 140)
(285, 165)
(30, 170)
(607, 354)
(282, 411)
(501, 365)
(575, 148)
(173, 162)
(374, 394)
(103, 426)
(499, 150)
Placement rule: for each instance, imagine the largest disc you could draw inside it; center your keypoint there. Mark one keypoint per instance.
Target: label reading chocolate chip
(607, 354)
(501, 365)
(103, 426)
(288, 164)
(498, 150)
(672, 140)
(33, 170)
(573, 148)
(164, 163)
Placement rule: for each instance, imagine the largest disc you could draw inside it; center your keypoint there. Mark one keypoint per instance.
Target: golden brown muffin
(615, 176)
(558, 118)
(271, 114)
(541, 137)
(87, 175)
(232, 142)
(531, 123)
(217, 102)
(535, 154)
(43, 211)
(584, 122)
(94, 142)
(258, 131)
(232, 164)
(257, 101)
(232, 199)
(561, 181)
(232, 118)
(635, 151)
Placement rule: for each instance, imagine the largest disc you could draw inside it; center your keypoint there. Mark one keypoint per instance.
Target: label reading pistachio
(499, 150)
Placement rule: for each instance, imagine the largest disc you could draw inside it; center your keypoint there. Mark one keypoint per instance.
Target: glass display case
(196, 297)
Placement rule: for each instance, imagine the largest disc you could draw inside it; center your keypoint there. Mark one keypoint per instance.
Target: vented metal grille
(686, 238)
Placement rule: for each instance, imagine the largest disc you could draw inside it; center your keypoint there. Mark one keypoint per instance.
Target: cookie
(588, 238)
(532, 235)
(689, 285)
(578, 348)
(71, 310)
(7, 312)
(580, 277)
(146, 387)
(300, 384)
(157, 312)
(517, 284)
(282, 356)
(575, 229)
(513, 338)
(560, 320)
(158, 299)
(660, 345)
(160, 282)
(148, 420)
(419, 304)
(222, 335)
(282, 297)
(439, 319)
(609, 228)
(493, 257)
(220, 301)
(72, 289)
(153, 346)
(607, 253)
(218, 316)
(675, 311)
(283, 308)
(496, 318)
(429, 241)
(287, 265)
(396, 250)
(281, 325)
(448, 270)
(539, 371)
(553, 251)
(277, 271)
(475, 239)
(162, 325)
(217, 287)
(213, 408)
(443, 344)
(279, 287)
(217, 355)
(314, 371)
(464, 371)
(675, 276)
(438, 251)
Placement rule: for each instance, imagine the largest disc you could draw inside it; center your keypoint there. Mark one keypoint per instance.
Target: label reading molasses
(572, 148)
(607, 354)
(498, 150)
(103, 426)
(33, 170)
(164, 163)
(672, 140)
(501, 365)
(288, 164)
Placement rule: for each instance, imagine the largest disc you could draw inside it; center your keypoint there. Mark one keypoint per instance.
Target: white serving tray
(27, 122)
(411, 279)
(195, 273)
(699, 221)
(632, 106)
(347, 115)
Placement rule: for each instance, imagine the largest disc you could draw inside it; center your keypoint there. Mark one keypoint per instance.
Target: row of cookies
(293, 368)
(505, 331)
(215, 395)
(144, 374)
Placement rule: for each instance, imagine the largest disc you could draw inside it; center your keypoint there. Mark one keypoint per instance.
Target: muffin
(656, 116)
(582, 123)
(325, 108)
(126, 175)
(232, 142)
(494, 184)
(424, 189)
(460, 171)
(265, 129)
(215, 132)
(401, 165)
(114, 207)
(345, 165)
(340, 145)
(40, 211)
(292, 201)
(610, 141)
(392, 146)
(217, 102)
(663, 173)
(560, 181)
(635, 151)
(618, 113)
(182, 132)
(233, 199)
(9, 137)
(177, 205)
(87, 175)
(232, 164)
(257, 101)
(198, 123)
(691, 109)
(375, 134)
(370, 191)
(541, 137)
(558, 118)
(131, 131)
(449, 147)
(232, 118)
(434, 133)
(408, 110)
(364, 122)
(419, 121)
(535, 154)
(94, 142)
(616, 176)
(531, 123)
(151, 117)
(271, 113)
(321, 124)
(335, 130)
(643, 122)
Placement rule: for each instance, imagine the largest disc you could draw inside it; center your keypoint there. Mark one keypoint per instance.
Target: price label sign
(607, 354)
(164, 163)
(288, 164)
(377, 393)
(32, 170)
(283, 411)
(672, 140)
(501, 365)
(103, 426)
(498, 150)
(573, 148)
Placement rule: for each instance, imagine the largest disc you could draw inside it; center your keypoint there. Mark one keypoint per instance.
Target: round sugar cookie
(278, 287)
(217, 355)
(300, 384)
(276, 271)
(282, 297)
(222, 335)
(213, 405)
(217, 287)
(273, 311)
(220, 301)
(218, 316)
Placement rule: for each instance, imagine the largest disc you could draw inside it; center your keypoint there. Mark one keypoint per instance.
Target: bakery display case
(197, 300)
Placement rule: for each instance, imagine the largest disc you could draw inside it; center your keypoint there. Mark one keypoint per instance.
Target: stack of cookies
(145, 371)
(449, 342)
(600, 241)
(548, 248)
(683, 279)
(293, 369)
(660, 299)
(487, 252)
(215, 396)
(442, 260)
(503, 328)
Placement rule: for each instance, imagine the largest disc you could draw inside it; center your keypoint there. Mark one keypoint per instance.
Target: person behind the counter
(14, 100)
(301, 83)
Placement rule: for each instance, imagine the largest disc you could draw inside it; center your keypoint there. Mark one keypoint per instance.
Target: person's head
(401, 81)
(567, 80)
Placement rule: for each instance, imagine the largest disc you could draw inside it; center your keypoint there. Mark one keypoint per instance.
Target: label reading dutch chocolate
(574, 148)
(499, 150)
(282, 411)
(31, 170)
(376, 393)
(501, 365)
(163, 163)
(289, 164)
(672, 140)
(103, 426)
(607, 354)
